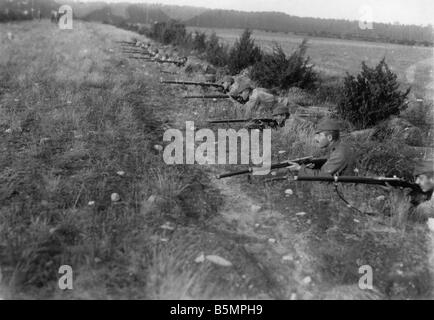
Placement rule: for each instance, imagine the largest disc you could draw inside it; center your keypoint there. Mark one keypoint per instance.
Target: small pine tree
(276, 70)
(199, 41)
(244, 53)
(371, 96)
(216, 53)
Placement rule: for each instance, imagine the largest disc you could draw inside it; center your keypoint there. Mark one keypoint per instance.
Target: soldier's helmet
(423, 167)
(328, 124)
(281, 110)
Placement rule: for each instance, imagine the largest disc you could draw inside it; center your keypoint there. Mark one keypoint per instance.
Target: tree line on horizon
(215, 18)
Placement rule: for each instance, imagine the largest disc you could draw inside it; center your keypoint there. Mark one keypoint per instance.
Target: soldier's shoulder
(343, 147)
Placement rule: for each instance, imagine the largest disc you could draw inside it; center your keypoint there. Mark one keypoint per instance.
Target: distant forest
(119, 13)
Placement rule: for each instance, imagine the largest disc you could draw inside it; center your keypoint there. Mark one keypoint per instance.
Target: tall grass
(75, 123)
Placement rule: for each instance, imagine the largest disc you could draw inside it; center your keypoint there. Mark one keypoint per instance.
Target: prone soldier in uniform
(424, 174)
(227, 83)
(280, 114)
(258, 101)
(339, 159)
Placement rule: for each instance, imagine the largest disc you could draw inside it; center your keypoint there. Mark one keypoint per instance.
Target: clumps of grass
(173, 274)
(60, 170)
(387, 158)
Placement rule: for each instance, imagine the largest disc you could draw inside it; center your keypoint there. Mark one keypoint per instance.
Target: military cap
(328, 125)
(281, 109)
(423, 166)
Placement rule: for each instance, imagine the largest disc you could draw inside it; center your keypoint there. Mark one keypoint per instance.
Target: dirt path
(280, 254)
(260, 230)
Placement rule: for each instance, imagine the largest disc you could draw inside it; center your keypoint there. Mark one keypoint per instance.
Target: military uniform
(260, 102)
(228, 83)
(340, 156)
(424, 208)
(339, 160)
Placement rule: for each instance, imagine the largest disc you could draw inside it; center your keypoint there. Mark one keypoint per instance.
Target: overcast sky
(419, 12)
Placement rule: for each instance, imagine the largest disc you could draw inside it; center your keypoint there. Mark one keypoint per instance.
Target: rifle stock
(317, 162)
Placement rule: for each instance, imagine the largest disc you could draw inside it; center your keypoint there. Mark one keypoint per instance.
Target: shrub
(244, 53)
(276, 70)
(199, 41)
(216, 53)
(371, 96)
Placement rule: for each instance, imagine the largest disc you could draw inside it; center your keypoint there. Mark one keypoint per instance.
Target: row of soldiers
(153, 53)
(339, 159)
(259, 103)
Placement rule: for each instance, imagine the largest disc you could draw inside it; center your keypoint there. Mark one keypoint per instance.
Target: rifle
(317, 163)
(164, 71)
(193, 83)
(127, 42)
(261, 122)
(135, 51)
(141, 58)
(381, 181)
(210, 96)
(178, 63)
(266, 120)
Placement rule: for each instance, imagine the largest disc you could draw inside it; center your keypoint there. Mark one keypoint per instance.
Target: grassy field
(335, 57)
(80, 122)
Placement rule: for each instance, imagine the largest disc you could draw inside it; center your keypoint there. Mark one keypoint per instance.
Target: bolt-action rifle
(315, 163)
(193, 83)
(258, 123)
(381, 181)
(178, 63)
(141, 58)
(208, 96)
(216, 96)
(127, 42)
(135, 51)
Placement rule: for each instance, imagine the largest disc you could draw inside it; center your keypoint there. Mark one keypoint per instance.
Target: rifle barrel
(394, 182)
(306, 160)
(216, 96)
(268, 120)
(141, 58)
(227, 121)
(231, 174)
(193, 83)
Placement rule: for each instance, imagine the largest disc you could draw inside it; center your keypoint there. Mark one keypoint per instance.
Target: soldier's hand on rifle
(293, 166)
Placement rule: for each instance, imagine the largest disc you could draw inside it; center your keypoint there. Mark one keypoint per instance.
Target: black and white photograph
(231, 152)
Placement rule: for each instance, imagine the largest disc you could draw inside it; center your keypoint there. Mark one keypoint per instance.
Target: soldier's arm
(336, 162)
(251, 105)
